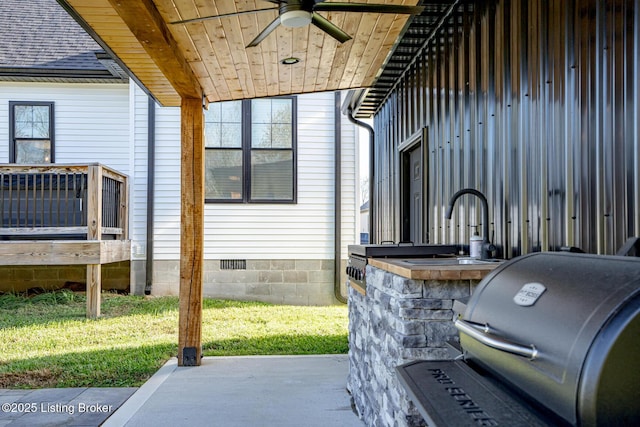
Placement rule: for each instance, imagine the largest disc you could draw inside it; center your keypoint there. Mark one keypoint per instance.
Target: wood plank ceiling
(210, 57)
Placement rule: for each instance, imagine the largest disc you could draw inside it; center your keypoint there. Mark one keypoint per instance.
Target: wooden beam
(146, 23)
(26, 232)
(102, 22)
(191, 233)
(114, 251)
(63, 252)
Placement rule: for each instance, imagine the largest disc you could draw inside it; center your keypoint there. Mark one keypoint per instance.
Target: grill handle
(482, 333)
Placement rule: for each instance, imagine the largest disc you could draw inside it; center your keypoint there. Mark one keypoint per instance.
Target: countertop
(412, 269)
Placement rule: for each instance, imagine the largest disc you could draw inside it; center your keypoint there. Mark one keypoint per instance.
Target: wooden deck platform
(64, 215)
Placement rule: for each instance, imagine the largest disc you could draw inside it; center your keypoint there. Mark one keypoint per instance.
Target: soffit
(438, 16)
(209, 57)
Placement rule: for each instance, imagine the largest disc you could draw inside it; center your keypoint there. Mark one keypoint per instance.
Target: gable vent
(233, 264)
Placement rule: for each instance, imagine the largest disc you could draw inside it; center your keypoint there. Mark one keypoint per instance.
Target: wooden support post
(94, 232)
(94, 286)
(191, 233)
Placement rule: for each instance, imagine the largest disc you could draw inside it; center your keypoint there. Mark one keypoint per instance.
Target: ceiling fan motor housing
(295, 14)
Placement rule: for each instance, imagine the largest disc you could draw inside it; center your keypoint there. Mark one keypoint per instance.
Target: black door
(412, 195)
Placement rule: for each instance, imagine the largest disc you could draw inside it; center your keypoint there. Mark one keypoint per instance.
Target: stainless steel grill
(555, 335)
(359, 254)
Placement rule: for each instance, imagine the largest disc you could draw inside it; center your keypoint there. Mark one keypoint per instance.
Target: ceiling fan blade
(264, 33)
(225, 15)
(367, 7)
(330, 28)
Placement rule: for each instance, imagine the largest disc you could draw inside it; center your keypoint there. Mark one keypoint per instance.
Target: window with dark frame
(31, 130)
(250, 151)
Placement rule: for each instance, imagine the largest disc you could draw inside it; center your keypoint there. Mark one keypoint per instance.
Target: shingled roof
(40, 41)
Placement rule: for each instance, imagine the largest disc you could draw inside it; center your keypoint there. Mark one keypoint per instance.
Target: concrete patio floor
(244, 391)
(224, 391)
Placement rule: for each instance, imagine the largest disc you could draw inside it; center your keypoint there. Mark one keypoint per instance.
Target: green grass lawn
(45, 340)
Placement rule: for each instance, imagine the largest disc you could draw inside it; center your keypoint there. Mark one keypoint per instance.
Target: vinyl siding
(299, 231)
(167, 185)
(304, 230)
(108, 124)
(138, 182)
(91, 120)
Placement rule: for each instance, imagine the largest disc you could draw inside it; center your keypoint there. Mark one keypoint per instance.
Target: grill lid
(564, 329)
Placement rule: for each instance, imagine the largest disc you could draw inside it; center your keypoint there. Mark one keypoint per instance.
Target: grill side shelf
(448, 393)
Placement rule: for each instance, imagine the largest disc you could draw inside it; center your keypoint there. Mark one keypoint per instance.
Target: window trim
(12, 124)
(246, 156)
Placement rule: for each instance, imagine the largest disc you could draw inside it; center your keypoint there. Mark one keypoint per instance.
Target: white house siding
(138, 182)
(138, 102)
(289, 248)
(166, 202)
(286, 231)
(91, 125)
(167, 185)
(91, 120)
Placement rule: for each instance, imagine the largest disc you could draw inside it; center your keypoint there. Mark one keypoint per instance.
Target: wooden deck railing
(64, 214)
(74, 201)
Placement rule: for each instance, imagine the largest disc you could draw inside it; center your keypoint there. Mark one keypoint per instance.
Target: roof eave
(43, 74)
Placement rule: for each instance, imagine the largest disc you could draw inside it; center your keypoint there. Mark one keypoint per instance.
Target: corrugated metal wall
(534, 103)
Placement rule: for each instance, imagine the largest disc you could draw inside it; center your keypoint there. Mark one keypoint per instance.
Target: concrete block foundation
(293, 282)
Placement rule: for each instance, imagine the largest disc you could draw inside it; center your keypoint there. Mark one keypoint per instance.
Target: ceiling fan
(299, 13)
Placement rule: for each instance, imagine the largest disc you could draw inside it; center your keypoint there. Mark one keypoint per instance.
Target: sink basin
(450, 261)
(477, 261)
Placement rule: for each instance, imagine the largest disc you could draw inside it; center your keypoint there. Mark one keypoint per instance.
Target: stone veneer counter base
(404, 315)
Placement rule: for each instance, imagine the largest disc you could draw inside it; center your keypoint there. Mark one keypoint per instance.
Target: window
(31, 132)
(250, 151)
(223, 151)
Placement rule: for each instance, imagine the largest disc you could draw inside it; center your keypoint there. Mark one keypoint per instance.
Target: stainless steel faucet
(487, 247)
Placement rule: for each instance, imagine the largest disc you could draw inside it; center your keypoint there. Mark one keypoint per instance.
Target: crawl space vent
(233, 264)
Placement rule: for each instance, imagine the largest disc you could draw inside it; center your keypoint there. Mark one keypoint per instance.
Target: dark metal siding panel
(633, 128)
(535, 103)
